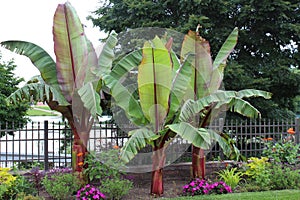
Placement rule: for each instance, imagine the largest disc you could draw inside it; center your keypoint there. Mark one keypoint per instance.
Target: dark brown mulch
(172, 188)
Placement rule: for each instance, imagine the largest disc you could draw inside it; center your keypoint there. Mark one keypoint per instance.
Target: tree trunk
(158, 162)
(198, 162)
(79, 149)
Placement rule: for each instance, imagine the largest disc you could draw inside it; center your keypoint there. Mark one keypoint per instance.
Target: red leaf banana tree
(161, 86)
(206, 80)
(68, 85)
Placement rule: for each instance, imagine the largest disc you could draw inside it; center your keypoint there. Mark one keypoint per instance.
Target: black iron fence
(49, 143)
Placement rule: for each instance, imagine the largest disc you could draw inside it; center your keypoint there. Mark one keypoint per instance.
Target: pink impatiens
(198, 187)
(89, 192)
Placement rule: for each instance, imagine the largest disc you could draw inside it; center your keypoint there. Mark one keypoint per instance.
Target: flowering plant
(89, 192)
(198, 187)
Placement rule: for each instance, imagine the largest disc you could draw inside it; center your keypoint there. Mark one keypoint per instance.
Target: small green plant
(103, 165)
(5, 177)
(256, 166)
(284, 177)
(230, 176)
(62, 186)
(282, 151)
(115, 188)
(24, 196)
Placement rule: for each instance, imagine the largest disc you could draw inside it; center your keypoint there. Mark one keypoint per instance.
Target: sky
(32, 20)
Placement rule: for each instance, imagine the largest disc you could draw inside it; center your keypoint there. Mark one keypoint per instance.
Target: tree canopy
(267, 48)
(8, 84)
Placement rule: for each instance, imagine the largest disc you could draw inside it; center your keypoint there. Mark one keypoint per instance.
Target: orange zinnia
(291, 131)
(80, 154)
(116, 147)
(80, 163)
(269, 138)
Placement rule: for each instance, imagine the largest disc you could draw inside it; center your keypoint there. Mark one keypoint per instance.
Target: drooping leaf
(138, 140)
(41, 60)
(221, 141)
(230, 99)
(124, 99)
(154, 81)
(90, 99)
(198, 137)
(126, 64)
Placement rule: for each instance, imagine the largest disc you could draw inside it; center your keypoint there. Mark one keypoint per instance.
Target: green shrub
(230, 176)
(115, 188)
(5, 177)
(23, 196)
(62, 186)
(256, 166)
(284, 177)
(103, 165)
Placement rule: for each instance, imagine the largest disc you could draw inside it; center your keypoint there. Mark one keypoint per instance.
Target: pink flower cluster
(200, 187)
(89, 192)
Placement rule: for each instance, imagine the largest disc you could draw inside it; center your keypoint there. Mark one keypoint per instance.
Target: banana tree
(69, 85)
(206, 80)
(161, 85)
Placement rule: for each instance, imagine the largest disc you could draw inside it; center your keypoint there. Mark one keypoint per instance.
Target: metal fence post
(46, 159)
(297, 130)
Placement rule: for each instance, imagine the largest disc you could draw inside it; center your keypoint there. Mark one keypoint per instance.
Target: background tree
(267, 48)
(8, 84)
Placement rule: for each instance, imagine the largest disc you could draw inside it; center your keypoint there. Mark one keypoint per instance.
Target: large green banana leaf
(138, 140)
(41, 60)
(220, 60)
(39, 91)
(198, 137)
(233, 100)
(154, 82)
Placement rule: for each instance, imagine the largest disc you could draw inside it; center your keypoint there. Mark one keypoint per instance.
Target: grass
(41, 111)
(33, 112)
(267, 195)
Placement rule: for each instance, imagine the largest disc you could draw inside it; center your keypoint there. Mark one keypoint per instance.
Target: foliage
(68, 85)
(6, 177)
(23, 196)
(36, 177)
(10, 115)
(230, 176)
(115, 188)
(264, 54)
(11, 185)
(256, 166)
(61, 185)
(20, 185)
(284, 177)
(282, 151)
(89, 192)
(100, 166)
(200, 187)
(274, 177)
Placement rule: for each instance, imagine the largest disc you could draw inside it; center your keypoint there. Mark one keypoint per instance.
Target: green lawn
(38, 111)
(267, 195)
